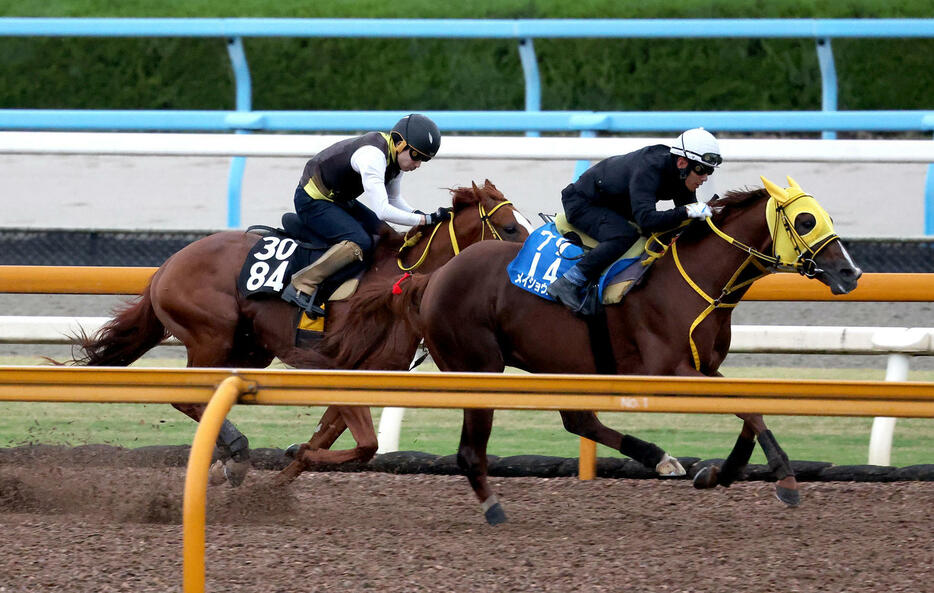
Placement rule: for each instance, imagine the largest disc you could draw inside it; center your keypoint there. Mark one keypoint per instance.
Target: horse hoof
(217, 474)
(706, 477)
(669, 467)
(236, 471)
(495, 514)
(788, 496)
(292, 450)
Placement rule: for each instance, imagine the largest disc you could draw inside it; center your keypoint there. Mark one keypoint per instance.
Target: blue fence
(532, 120)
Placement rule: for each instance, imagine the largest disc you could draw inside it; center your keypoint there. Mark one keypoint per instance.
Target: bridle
(765, 264)
(485, 223)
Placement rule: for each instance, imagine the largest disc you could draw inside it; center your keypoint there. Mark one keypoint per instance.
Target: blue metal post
(929, 202)
(533, 86)
(582, 166)
(244, 103)
(828, 73)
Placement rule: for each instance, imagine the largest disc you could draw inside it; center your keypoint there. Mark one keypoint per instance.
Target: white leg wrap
(489, 502)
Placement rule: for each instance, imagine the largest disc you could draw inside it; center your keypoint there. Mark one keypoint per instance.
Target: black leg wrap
(778, 461)
(648, 454)
(736, 462)
(232, 443)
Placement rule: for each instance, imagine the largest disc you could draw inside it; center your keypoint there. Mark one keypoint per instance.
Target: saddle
(620, 276)
(551, 250)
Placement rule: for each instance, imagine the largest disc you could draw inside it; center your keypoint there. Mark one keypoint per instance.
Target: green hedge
(421, 74)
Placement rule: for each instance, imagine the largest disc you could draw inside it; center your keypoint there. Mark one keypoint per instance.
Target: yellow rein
(484, 218)
(756, 258)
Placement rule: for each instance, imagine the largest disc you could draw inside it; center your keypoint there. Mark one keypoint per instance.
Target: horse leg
(471, 458)
(232, 447)
(335, 420)
(786, 487)
(586, 424)
(732, 468)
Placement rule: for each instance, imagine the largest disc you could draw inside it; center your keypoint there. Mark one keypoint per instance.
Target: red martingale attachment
(397, 287)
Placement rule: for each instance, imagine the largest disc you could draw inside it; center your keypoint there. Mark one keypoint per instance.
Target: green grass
(834, 439)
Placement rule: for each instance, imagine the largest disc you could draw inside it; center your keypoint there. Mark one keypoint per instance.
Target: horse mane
(378, 317)
(372, 304)
(736, 198)
(724, 207)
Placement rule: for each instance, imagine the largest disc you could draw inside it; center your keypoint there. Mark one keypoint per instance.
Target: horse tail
(133, 331)
(381, 323)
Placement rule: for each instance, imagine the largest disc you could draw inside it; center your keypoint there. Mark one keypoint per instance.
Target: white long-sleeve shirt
(370, 163)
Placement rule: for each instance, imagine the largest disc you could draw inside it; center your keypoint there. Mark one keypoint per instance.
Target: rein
(484, 224)
(766, 264)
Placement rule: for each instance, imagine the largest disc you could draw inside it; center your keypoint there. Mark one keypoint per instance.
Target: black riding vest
(631, 185)
(331, 174)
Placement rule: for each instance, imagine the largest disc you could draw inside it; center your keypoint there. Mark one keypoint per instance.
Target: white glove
(698, 210)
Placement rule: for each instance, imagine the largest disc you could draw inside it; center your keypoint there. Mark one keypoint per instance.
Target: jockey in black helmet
(326, 196)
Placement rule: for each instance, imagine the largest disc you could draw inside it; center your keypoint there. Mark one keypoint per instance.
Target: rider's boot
(305, 282)
(567, 293)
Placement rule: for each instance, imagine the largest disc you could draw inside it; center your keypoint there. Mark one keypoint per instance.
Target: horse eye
(511, 229)
(805, 223)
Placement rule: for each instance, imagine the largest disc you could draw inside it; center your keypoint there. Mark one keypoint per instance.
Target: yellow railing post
(196, 480)
(587, 466)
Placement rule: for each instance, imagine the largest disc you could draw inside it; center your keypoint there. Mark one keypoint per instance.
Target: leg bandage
(737, 460)
(232, 441)
(648, 454)
(778, 461)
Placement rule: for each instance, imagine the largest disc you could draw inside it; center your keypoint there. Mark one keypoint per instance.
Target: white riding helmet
(699, 145)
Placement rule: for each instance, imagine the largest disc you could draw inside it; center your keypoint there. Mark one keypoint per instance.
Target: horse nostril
(851, 273)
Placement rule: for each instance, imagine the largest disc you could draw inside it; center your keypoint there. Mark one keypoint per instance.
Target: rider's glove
(436, 217)
(698, 210)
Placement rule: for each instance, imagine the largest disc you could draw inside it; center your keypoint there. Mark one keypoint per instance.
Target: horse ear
(774, 190)
(488, 183)
(793, 183)
(474, 184)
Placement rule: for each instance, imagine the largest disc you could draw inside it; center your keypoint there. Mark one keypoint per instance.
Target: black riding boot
(567, 293)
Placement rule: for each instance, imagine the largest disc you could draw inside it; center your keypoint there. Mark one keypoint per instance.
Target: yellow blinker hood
(782, 209)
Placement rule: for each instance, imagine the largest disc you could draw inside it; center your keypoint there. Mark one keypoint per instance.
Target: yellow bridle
(485, 223)
(778, 203)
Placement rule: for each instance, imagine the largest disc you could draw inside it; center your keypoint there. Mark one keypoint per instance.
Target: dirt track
(97, 529)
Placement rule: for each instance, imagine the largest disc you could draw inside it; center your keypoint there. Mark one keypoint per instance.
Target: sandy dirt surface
(101, 530)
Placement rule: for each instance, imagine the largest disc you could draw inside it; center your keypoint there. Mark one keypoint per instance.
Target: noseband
(485, 222)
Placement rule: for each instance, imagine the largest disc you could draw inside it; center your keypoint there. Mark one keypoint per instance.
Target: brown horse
(676, 321)
(194, 297)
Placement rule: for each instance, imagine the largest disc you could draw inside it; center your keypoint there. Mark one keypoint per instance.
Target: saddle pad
(546, 256)
(269, 266)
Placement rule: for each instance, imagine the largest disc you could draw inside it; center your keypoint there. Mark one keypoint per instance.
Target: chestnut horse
(676, 321)
(194, 297)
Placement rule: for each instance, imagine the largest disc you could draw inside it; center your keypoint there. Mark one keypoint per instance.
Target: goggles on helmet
(709, 158)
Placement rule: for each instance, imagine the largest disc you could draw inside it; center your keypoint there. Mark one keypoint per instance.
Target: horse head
(478, 213)
(497, 216)
(803, 238)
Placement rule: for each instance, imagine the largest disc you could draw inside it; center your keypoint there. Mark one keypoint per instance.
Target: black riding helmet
(420, 134)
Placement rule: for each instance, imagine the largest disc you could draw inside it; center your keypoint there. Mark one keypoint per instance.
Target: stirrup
(304, 301)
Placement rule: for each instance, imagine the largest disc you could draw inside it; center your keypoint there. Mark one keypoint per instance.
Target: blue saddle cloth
(546, 256)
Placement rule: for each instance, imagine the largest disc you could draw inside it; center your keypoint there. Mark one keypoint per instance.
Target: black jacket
(631, 185)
